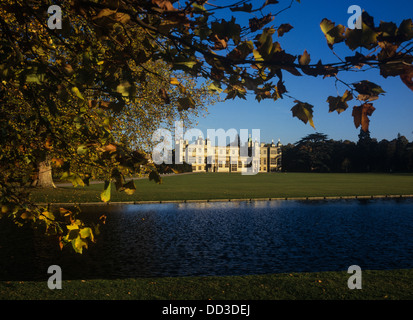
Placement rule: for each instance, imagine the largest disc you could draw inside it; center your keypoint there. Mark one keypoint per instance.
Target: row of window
(221, 151)
(233, 168)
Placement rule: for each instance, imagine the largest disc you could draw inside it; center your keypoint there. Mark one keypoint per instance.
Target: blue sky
(394, 110)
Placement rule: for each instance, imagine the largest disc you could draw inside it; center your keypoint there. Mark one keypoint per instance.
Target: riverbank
(376, 285)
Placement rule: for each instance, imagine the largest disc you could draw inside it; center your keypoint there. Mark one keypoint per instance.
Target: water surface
(237, 238)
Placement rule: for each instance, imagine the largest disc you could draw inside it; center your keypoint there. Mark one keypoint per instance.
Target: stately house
(204, 157)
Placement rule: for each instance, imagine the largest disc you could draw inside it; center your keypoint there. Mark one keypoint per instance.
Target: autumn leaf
(304, 112)
(153, 175)
(174, 81)
(361, 114)
(185, 103)
(284, 28)
(164, 95)
(129, 188)
(247, 7)
(164, 5)
(104, 13)
(110, 148)
(366, 37)
(334, 34)
(257, 24)
(105, 195)
(407, 78)
(304, 59)
(368, 91)
(339, 104)
(76, 91)
(57, 162)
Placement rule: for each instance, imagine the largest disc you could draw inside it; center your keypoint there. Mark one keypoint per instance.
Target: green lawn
(204, 186)
(376, 285)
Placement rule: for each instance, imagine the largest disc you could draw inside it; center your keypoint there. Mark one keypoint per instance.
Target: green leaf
(76, 92)
(257, 55)
(105, 195)
(215, 87)
(73, 178)
(185, 63)
(126, 89)
(265, 47)
(35, 74)
(82, 150)
(304, 112)
(86, 233)
(35, 78)
(78, 244)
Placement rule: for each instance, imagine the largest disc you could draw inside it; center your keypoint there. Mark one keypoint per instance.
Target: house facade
(256, 157)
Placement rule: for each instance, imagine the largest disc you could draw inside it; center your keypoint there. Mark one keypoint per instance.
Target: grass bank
(376, 285)
(205, 186)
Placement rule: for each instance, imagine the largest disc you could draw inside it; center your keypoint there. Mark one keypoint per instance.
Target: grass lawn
(376, 285)
(204, 186)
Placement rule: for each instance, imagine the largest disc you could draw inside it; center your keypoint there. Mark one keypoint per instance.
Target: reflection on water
(234, 238)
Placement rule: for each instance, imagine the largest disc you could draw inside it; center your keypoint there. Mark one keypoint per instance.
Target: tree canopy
(318, 153)
(78, 93)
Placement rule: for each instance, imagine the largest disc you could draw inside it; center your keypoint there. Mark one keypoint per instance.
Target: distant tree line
(317, 153)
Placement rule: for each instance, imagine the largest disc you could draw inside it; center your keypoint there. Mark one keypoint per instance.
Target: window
(226, 164)
(265, 161)
(273, 161)
(234, 167)
(240, 164)
(199, 168)
(273, 151)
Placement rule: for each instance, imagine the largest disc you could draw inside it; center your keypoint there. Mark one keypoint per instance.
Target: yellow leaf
(174, 81)
(105, 195)
(76, 91)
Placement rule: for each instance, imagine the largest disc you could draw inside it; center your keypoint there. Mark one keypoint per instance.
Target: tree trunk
(44, 175)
